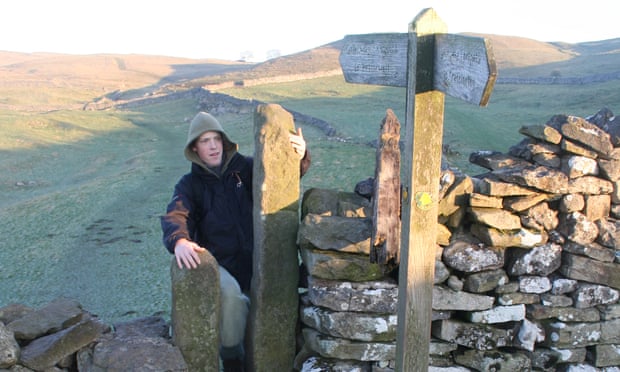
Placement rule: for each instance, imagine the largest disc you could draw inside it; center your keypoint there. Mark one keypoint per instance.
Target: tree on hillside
(273, 53)
(246, 55)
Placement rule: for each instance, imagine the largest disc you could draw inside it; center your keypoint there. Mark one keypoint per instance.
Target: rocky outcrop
(527, 265)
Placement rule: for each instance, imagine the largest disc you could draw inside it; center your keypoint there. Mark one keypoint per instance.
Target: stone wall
(527, 263)
(62, 336)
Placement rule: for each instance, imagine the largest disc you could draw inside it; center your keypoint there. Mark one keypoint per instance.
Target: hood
(201, 123)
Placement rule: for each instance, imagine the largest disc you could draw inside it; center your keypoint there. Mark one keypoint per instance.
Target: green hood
(201, 123)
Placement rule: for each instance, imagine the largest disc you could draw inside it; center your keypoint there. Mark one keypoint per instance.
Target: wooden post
(423, 139)
(435, 64)
(385, 238)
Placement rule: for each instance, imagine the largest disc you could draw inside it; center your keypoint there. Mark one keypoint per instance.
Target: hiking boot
(233, 365)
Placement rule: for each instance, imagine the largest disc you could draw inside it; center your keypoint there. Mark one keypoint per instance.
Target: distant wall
(272, 80)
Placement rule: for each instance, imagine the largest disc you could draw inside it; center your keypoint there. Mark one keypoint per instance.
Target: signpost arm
(421, 171)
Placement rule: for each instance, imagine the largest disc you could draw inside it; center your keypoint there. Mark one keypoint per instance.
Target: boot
(233, 365)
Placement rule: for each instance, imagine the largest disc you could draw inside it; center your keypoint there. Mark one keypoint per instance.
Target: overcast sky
(227, 28)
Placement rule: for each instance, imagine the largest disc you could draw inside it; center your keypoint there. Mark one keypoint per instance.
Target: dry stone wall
(527, 263)
(62, 336)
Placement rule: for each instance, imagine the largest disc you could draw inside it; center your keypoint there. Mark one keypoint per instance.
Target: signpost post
(429, 63)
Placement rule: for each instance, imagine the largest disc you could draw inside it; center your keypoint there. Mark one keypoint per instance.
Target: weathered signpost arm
(429, 63)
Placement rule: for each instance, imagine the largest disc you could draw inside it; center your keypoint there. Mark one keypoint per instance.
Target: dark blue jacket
(216, 213)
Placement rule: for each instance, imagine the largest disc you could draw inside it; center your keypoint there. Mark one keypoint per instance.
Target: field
(83, 190)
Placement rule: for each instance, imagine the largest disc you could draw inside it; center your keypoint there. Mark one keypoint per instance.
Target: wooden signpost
(429, 63)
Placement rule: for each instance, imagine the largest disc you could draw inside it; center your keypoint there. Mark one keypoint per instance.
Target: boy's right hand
(186, 253)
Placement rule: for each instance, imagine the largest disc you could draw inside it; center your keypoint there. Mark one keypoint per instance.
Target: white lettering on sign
(374, 49)
(463, 57)
(462, 67)
(385, 70)
(375, 59)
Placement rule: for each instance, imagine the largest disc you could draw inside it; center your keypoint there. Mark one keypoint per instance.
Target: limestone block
(53, 317)
(592, 250)
(494, 160)
(137, 353)
(497, 218)
(494, 361)
(569, 335)
(448, 299)
(485, 281)
(497, 314)
(45, 352)
(10, 348)
(369, 296)
(609, 233)
(495, 187)
(577, 149)
(610, 169)
(534, 284)
(597, 206)
(576, 227)
(350, 325)
(588, 134)
(589, 185)
(331, 347)
(521, 203)
(564, 314)
(583, 268)
(523, 238)
(518, 298)
(542, 132)
(589, 295)
(605, 355)
(471, 335)
(336, 233)
(470, 257)
(542, 216)
(547, 160)
(485, 201)
(540, 260)
(341, 266)
(577, 166)
(571, 203)
(537, 177)
(196, 308)
(528, 334)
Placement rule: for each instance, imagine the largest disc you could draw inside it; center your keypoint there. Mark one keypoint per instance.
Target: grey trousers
(235, 308)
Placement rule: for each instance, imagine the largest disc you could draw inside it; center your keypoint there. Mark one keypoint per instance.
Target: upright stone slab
(196, 313)
(274, 297)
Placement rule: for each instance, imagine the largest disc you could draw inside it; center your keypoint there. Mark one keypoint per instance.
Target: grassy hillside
(82, 191)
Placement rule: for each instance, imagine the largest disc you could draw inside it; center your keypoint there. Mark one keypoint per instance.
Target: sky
(230, 29)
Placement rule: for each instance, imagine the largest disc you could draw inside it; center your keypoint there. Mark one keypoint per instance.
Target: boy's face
(209, 147)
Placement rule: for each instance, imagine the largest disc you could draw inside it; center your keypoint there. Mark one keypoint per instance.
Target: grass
(82, 191)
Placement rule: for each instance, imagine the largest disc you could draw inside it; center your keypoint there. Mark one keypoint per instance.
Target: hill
(70, 81)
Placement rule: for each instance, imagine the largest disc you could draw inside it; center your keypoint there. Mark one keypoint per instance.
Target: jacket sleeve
(304, 164)
(178, 222)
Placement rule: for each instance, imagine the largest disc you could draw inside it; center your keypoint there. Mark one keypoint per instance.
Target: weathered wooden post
(430, 63)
